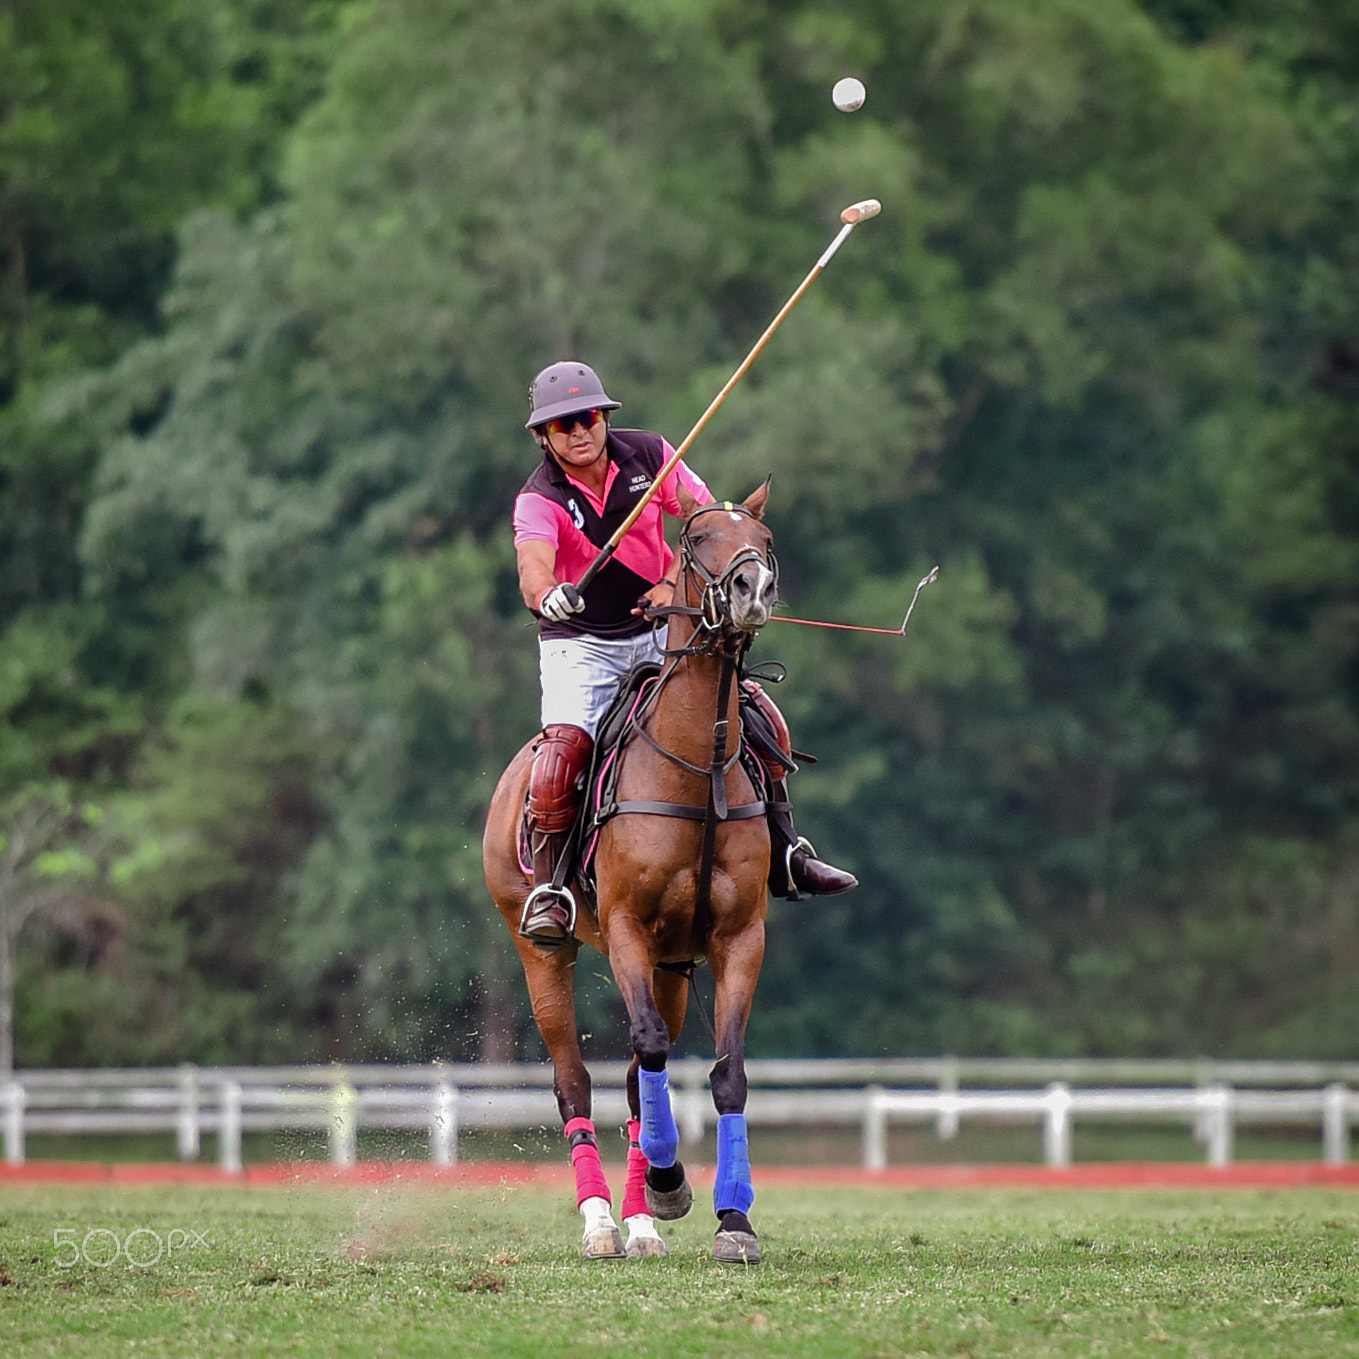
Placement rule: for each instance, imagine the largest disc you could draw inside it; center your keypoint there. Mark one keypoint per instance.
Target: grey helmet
(564, 389)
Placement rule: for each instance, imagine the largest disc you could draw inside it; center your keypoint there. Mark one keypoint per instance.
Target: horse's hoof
(640, 1247)
(602, 1243)
(736, 1248)
(643, 1239)
(669, 1204)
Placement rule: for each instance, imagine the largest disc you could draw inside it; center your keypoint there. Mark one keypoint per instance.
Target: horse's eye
(697, 538)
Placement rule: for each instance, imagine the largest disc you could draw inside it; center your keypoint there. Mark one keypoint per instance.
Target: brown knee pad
(559, 760)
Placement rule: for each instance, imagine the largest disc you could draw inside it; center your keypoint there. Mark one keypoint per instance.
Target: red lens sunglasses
(564, 424)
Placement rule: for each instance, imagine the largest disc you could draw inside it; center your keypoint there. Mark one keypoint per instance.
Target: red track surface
(1105, 1175)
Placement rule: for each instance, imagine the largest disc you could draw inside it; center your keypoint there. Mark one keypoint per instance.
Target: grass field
(441, 1271)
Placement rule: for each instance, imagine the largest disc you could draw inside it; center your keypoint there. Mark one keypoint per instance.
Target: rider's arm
(537, 570)
(663, 591)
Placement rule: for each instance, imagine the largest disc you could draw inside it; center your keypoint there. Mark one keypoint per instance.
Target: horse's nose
(769, 596)
(754, 594)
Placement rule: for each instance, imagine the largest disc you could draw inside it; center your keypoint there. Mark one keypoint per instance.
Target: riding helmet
(564, 389)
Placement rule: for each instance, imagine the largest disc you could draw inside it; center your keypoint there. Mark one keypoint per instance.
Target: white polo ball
(848, 94)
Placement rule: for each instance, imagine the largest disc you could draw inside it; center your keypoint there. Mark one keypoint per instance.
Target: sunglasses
(564, 424)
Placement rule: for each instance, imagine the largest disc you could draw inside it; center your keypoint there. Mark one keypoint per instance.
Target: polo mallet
(851, 217)
(928, 579)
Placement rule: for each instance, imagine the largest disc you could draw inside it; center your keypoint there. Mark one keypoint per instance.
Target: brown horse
(680, 874)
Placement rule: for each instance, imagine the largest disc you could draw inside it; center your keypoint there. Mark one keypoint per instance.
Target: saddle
(758, 746)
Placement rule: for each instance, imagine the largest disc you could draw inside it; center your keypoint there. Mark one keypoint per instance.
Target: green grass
(442, 1271)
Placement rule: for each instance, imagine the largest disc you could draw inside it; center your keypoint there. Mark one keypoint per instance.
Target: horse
(680, 874)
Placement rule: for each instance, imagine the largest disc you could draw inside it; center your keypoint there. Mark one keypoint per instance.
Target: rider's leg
(795, 871)
(560, 760)
(580, 676)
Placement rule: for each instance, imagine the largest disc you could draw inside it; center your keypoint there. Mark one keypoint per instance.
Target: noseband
(714, 614)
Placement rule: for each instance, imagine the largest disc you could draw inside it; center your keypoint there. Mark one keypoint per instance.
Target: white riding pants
(581, 675)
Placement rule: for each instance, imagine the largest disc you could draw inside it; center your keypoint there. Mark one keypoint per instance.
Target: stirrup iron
(819, 878)
(545, 893)
(794, 892)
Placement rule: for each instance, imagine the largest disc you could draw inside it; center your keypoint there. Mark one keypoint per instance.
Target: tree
(117, 119)
(47, 870)
(1091, 360)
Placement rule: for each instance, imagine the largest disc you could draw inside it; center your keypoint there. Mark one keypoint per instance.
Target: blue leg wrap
(660, 1136)
(732, 1189)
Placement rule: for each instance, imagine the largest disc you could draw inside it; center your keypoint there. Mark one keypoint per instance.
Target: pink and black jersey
(554, 508)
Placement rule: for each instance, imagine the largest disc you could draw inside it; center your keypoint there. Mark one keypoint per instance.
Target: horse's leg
(641, 1203)
(551, 990)
(550, 977)
(658, 1138)
(736, 968)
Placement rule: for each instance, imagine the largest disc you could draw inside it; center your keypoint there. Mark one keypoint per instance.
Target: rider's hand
(657, 597)
(560, 602)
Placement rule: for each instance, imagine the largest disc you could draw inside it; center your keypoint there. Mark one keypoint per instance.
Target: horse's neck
(686, 712)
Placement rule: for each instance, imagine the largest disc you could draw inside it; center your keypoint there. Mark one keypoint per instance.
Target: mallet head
(858, 212)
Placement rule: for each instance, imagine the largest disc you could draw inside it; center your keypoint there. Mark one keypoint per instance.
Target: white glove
(560, 602)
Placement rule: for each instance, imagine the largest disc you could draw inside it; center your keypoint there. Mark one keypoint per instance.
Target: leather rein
(714, 634)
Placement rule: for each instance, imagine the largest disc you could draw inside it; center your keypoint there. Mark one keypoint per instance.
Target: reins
(712, 636)
(712, 615)
(717, 799)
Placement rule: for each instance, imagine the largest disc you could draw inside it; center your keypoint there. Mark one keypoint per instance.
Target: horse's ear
(755, 502)
(687, 503)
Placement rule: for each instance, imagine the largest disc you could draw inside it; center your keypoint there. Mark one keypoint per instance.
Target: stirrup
(825, 881)
(558, 906)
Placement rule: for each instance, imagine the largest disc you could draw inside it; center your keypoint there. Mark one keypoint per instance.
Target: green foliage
(117, 119)
(1096, 359)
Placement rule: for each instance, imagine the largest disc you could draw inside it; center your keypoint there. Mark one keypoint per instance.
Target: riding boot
(795, 872)
(560, 760)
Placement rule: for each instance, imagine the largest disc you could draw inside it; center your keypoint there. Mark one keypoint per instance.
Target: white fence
(444, 1100)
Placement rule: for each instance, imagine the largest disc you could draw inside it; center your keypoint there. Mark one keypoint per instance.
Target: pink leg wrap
(590, 1181)
(634, 1194)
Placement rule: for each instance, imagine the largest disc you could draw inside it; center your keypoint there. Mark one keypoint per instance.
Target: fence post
(15, 1099)
(946, 1125)
(875, 1130)
(187, 1125)
(229, 1128)
(444, 1127)
(1335, 1123)
(1057, 1124)
(344, 1123)
(1217, 1123)
(692, 1099)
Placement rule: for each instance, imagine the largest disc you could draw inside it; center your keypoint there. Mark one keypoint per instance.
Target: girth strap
(746, 812)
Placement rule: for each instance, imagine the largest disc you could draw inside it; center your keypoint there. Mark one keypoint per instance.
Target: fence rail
(444, 1100)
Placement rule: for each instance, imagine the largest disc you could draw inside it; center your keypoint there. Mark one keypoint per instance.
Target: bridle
(714, 628)
(715, 634)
